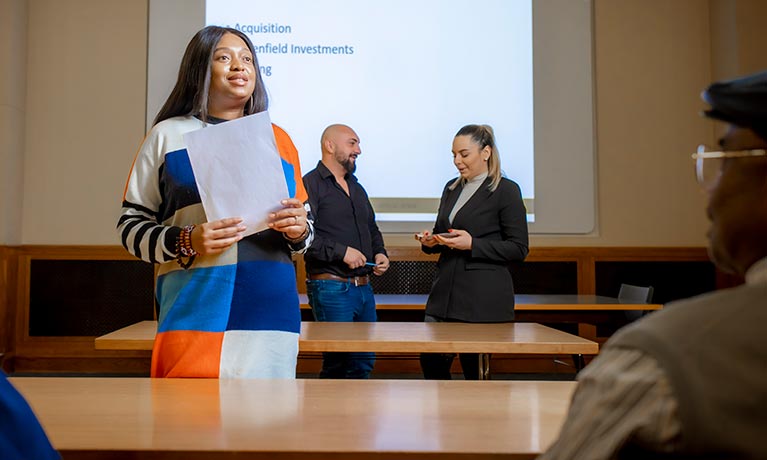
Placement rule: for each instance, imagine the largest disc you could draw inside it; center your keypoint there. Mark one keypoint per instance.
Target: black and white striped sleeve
(138, 227)
(143, 237)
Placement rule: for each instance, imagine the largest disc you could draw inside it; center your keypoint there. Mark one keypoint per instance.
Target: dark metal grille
(406, 277)
(417, 277)
(88, 297)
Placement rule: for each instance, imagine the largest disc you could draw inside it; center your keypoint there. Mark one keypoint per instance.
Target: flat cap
(742, 102)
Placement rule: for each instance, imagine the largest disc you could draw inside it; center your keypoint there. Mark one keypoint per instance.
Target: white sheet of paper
(238, 170)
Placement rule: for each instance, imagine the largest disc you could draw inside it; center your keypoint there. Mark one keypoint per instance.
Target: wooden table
(527, 338)
(539, 308)
(140, 418)
(523, 302)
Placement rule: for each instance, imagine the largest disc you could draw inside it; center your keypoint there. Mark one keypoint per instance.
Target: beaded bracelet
(184, 247)
(300, 238)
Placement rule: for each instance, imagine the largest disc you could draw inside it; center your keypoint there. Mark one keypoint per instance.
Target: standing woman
(481, 227)
(228, 305)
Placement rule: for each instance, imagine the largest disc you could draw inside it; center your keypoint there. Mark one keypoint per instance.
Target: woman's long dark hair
(190, 95)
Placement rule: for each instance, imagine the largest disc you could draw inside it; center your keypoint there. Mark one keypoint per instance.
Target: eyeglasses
(708, 163)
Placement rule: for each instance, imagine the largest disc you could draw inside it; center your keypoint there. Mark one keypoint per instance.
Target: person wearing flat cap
(691, 379)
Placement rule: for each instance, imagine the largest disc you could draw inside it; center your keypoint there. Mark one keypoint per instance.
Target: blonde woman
(481, 226)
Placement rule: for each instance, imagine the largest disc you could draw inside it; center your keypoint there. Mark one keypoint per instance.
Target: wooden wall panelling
(584, 263)
(674, 272)
(77, 354)
(5, 309)
(56, 353)
(585, 258)
(649, 253)
(8, 305)
(298, 263)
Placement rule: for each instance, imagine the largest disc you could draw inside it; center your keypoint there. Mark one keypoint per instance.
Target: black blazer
(475, 285)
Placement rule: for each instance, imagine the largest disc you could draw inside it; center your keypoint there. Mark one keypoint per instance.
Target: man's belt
(355, 280)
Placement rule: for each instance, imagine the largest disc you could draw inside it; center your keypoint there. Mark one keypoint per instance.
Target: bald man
(347, 247)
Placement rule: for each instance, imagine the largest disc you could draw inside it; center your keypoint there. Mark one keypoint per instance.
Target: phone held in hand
(446, 235)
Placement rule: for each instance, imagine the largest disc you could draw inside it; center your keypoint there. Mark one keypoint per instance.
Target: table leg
(579, 362)
(484, 366)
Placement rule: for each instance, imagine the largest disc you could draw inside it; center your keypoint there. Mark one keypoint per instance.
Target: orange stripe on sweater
(187, 354)
(289, 153)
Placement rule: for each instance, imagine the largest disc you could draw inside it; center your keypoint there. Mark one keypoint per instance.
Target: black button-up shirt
(340, 221)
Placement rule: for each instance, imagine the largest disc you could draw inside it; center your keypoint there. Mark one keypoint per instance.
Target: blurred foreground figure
(691, 379)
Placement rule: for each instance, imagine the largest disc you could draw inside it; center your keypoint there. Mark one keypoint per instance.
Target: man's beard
(349, 165)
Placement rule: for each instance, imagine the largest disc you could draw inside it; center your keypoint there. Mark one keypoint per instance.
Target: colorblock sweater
(234, 314)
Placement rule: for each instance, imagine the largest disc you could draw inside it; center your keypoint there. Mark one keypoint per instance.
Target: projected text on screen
(406, 76)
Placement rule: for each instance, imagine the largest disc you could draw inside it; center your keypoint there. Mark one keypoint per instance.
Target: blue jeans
(339, 301)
